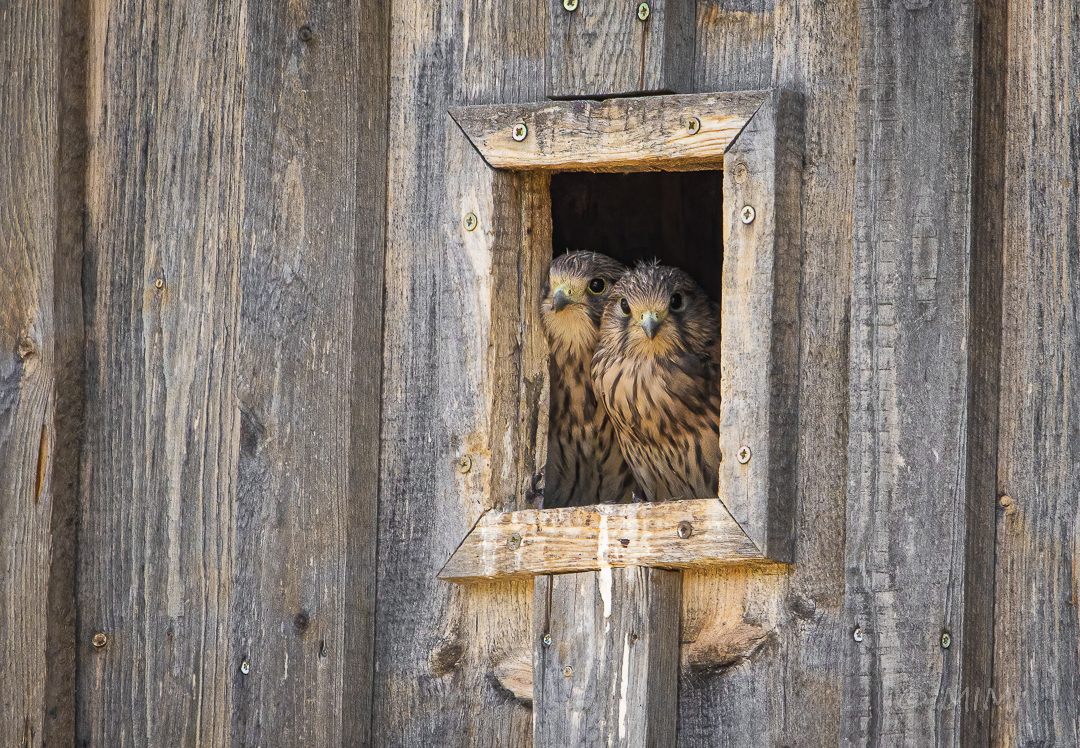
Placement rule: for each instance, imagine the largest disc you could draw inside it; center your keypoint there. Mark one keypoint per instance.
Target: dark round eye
(597, 285)
(676, 302)
(625, 306)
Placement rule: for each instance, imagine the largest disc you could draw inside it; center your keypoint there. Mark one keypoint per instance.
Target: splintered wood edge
(588, 538)
(674, 133)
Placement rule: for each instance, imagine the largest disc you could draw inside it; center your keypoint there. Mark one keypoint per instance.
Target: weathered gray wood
(759, 346)
(308, 374)
(29, 52)
(735, 40)
(906, 518)
(546, 541)
(1036, 662)
(608, 675)
(639, 134)
(157, 522)
(437, 644)
(602, 48)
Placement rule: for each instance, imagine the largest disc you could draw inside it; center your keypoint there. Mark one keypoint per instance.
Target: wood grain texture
(29, 69)
(608, 675)
(157, 521)
(593, 537)
(906, 518)
(638, 134)
(1036, 662)
(437, 644)
(759, 378)
(734, 44)
(604, 49)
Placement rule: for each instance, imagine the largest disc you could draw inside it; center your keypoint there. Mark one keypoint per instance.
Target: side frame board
(760, 134)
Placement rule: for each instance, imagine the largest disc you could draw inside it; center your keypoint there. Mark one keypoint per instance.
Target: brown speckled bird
(657, 370)
(584, 463)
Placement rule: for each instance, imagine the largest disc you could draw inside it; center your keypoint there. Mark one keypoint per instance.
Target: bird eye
(676, 302)
(625, 306)
(597, 285)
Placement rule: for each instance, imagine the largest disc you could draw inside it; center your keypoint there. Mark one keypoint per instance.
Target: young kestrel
(584, 463)
(657, 370)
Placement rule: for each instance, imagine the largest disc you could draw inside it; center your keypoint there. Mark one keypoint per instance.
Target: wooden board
(644, 134)
(543, 541)
(603, 48)
(29, 51)
(605, 658)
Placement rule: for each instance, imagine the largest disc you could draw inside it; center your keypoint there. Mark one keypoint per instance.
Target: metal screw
(305, 33)
(520, 131)
(470, 221)
(547, 640)
(685, 529)
(159, 283)
(743, 455)
(857, 635)
(100, 640)
(748, 214)
(514, 541)
(464, 465)
(245, 667)
(693, 125)
(570, 5)
(568, 671)
(643, 11)
(946, 640)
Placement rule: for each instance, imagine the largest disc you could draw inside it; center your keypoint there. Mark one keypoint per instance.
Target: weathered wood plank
(734, 44)
(437, 645)
(29, 69)
(605, 658)
(163, 242)
(553, 541)
(644, 134)
(308, 373)
(906, 518)
(759, 378)
(1035, 661)
(605, 48)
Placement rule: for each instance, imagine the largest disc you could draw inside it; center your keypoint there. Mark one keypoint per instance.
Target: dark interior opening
(675, 217)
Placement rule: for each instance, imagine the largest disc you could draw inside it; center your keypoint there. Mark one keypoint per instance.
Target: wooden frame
(758, 135)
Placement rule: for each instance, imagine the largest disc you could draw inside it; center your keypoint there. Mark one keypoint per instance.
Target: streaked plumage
(584, 463)
(657, 370)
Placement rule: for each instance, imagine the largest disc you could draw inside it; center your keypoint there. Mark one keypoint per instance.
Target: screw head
(100, 640)
(159, 283)
(305, 33)
(245, 667)
(570, 5)
(857, 635)
(520, 131)
(464, 465)
(568, 671)
(643, 11)
(946, 640)
(547, 640)
(685, 529)
(743, 454)
(470, 221)
(748, 214)
(514, 541)
(693, 125)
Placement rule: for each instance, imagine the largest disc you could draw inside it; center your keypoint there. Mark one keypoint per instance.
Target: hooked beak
(560, 300)
(650, 323)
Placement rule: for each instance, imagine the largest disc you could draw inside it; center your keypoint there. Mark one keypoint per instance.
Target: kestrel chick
(584, 464)
(657, 369)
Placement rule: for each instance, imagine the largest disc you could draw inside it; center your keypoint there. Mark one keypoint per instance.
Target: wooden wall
(243, 347)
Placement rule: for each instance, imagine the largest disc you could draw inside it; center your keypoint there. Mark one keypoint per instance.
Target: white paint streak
(624, 677)
(605, 567)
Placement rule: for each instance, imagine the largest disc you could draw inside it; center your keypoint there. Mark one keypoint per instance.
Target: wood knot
(27, 349)
(300, 622)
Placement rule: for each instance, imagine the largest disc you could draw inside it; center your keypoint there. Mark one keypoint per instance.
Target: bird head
(658, 310)
(579, 284)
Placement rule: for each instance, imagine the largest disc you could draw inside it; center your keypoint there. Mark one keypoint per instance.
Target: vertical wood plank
(906, 531)
(605, 658)
(29, 57)
(157, 523)
(309, 333)
(1036, 662)
(437, 644)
